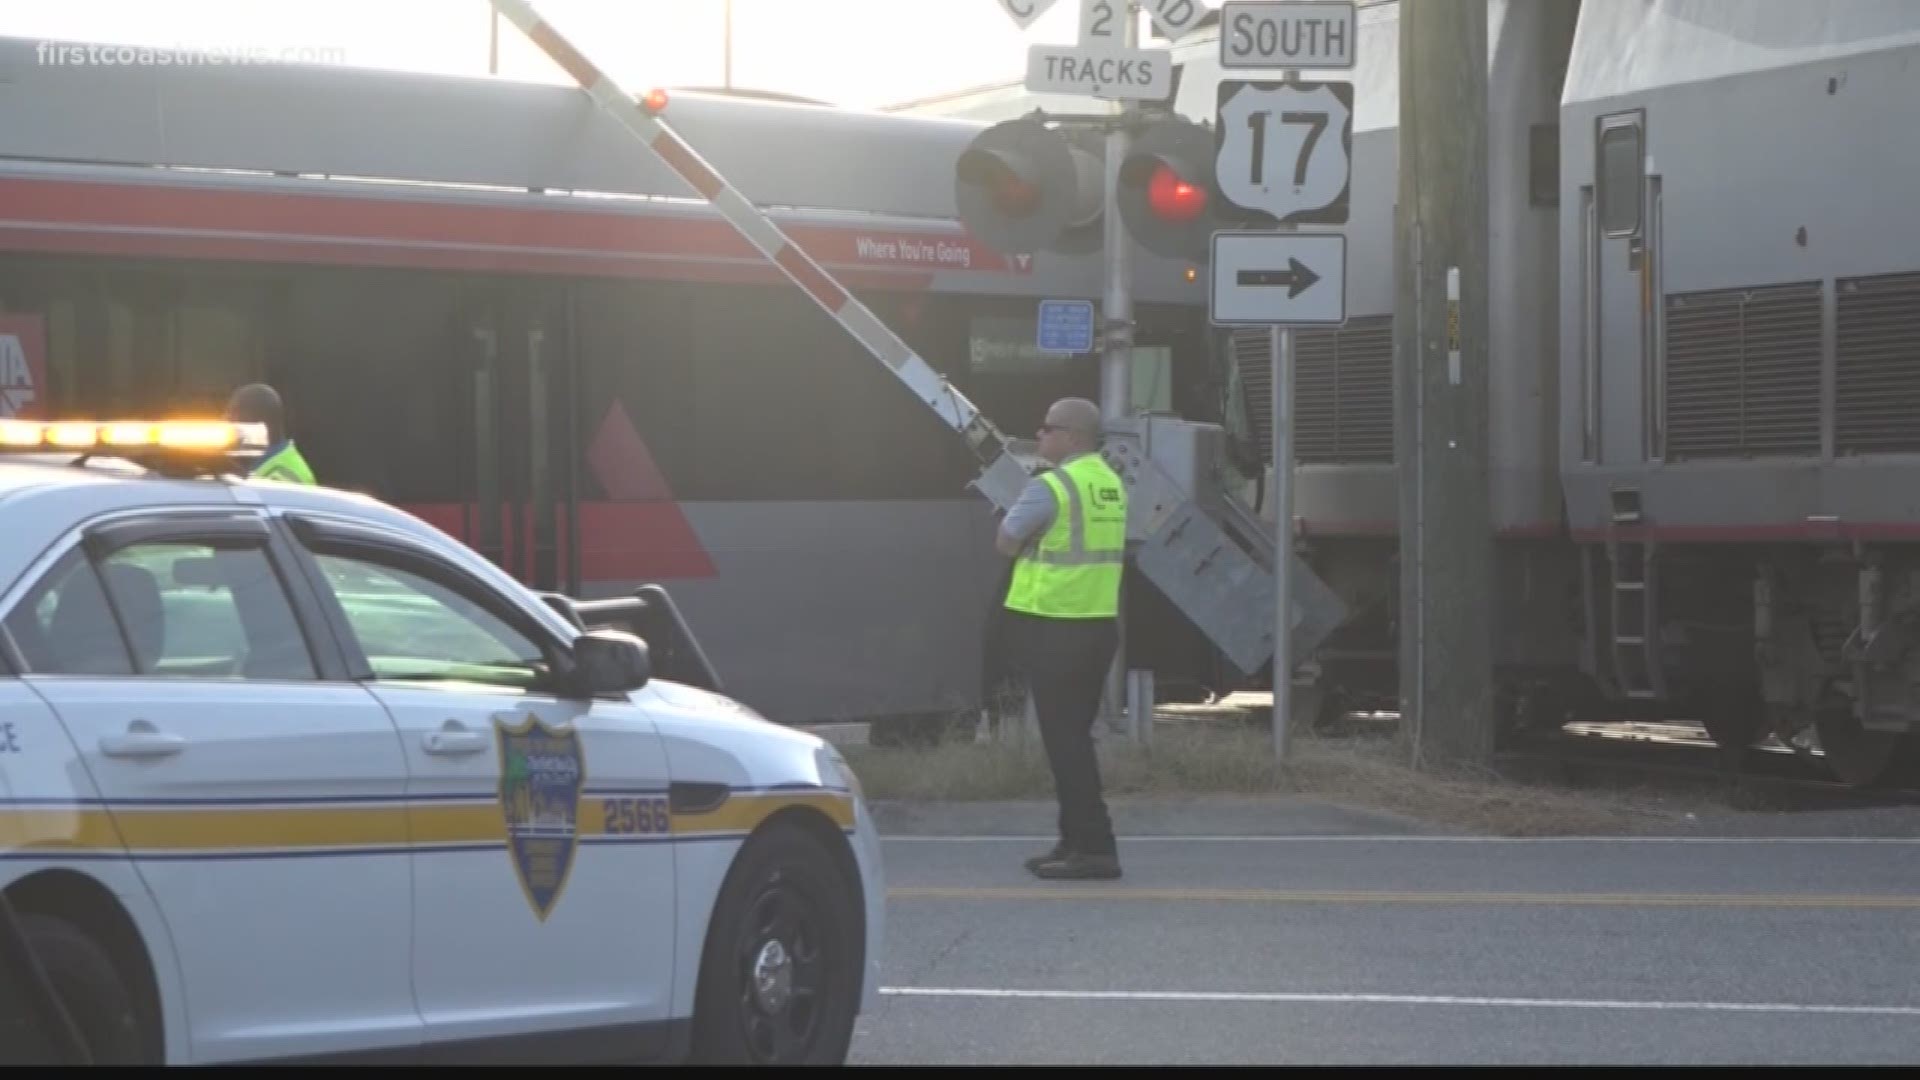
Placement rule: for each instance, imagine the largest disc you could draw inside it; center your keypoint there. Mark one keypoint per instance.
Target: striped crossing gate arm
(1002, 472)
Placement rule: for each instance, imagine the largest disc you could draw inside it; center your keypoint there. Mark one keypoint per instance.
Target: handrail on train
(650, 614)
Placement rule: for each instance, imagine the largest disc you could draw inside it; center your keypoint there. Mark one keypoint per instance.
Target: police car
(287, 774)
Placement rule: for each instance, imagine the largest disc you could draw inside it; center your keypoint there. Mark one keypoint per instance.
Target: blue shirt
(1033, 512)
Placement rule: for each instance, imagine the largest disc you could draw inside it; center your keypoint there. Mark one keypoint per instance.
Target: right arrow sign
(1295, 278)
(1278, 279)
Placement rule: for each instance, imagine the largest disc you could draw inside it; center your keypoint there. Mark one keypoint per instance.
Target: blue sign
(1065, 326)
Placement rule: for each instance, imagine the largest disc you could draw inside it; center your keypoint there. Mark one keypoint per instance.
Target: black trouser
(1065, 662)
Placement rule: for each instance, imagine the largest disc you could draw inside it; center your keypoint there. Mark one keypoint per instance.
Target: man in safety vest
(1068, 534)
(258, 403)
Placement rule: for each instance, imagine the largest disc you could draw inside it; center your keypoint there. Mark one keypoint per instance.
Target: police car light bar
(106, 437)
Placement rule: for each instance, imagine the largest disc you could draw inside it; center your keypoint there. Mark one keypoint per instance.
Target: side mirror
(608, 661)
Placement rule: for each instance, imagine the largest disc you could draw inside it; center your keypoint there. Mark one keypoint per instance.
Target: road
(1338, 945)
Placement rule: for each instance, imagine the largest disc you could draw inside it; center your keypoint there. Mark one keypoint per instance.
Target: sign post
(1285, 151)
(1106, 63)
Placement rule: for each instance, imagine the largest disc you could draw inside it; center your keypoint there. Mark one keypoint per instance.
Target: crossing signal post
(1023, 188)
(1167, 192)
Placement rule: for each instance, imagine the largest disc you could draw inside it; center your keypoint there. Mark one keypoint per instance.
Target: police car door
(259, 792)
(544, 899)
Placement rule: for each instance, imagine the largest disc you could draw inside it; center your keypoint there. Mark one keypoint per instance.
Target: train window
(128, 338)
(1151, 383)
(1008, 345)
(371, 377)
(1620, 177)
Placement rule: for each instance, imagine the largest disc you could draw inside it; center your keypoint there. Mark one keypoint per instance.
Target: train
(485, 303)
(1704, 356)
(1704, 368)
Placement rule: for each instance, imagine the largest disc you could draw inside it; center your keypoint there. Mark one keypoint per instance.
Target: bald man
(1067, 535)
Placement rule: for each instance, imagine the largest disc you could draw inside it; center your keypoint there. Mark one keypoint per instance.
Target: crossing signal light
(1024, 188)
(1167, 194)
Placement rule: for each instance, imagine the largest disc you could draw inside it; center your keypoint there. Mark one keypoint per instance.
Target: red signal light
(1172, 198)
(1011, 194)
(1015, 196)
(655, 101)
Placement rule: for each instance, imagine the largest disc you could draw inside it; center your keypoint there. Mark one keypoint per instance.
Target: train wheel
(1856, 755)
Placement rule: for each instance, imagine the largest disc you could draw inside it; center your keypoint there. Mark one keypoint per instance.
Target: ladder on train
(1634, 611)
(1218, 576)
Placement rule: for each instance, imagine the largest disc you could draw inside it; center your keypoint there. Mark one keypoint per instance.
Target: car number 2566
(637, 816)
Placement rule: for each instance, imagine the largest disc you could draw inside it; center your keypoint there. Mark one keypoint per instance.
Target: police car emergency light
(168, 446)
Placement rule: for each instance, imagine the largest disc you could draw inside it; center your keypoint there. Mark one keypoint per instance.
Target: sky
(858, 53)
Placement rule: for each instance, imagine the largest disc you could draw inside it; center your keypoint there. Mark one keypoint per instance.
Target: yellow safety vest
(287, 464)
(1074, 571)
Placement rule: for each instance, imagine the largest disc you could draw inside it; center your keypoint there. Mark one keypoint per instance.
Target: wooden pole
(1446, 545)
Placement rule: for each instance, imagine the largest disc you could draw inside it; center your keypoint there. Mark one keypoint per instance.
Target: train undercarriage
(1817, 647)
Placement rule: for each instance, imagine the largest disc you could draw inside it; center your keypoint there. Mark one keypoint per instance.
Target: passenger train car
(1705, 369)
(485, 303)
(1740, 364)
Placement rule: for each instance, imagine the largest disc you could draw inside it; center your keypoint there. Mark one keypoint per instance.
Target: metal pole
(1280, 352)
(493, 41)
(1280, 347)
(1116, 360)
(728, 39)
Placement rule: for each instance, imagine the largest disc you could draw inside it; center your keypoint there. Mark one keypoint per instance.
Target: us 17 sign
(1285, 149)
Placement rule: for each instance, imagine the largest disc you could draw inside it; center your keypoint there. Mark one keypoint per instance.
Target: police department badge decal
(542, 771)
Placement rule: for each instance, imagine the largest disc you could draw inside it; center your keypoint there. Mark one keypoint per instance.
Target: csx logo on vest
(1106, 494)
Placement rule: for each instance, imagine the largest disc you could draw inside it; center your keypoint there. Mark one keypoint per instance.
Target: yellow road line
(1099, 892)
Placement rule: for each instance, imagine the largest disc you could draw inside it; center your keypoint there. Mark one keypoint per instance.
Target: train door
(522, 505)
(1624, 413)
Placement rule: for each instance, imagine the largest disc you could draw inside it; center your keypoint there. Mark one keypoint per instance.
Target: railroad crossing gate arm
(1002, 472)
(1195, 563)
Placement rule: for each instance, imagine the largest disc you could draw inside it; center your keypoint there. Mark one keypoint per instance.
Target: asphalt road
(1321, 943)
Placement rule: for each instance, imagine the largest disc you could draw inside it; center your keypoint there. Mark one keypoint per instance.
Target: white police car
(286, 774)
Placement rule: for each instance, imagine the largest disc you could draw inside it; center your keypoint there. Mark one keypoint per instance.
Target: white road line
(1398, 999)
(1402, 838)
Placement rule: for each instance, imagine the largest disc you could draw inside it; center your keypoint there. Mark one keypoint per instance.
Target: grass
(1365, 772)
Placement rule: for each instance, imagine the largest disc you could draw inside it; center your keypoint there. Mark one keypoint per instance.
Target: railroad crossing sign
(1099, 64)
(1175, 18)
(1316, 34)
(1278, 279)
(1286, 149)
(1025, 12)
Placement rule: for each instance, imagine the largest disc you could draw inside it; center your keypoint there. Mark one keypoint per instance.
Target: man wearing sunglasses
(1067, 534)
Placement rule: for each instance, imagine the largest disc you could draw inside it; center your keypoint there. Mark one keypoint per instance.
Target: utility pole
(493, 41)
(1116, 359)
(727, 44)
(1446, 546)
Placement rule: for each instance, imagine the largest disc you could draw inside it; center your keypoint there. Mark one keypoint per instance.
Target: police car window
(194, 611)
(416, 629)
(63, 626)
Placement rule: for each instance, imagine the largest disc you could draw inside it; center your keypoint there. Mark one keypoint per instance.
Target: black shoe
(1078, 867)
(1059, 852)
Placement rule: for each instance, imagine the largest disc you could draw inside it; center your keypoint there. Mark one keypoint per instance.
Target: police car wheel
(780, 977)
(90, 988)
